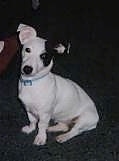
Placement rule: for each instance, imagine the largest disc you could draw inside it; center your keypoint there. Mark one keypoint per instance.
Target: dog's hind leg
(66, 136)
(87, 121)
(58, 127)
(31, 127)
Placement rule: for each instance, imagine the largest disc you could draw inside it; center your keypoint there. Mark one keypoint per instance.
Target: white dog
(48, 96)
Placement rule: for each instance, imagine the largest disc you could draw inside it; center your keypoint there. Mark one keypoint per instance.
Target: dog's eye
(28, 50)
(43, 56)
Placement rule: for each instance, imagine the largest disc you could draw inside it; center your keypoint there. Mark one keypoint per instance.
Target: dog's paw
(27, 129)
(62, 138)
(40, 140)
(58, 128)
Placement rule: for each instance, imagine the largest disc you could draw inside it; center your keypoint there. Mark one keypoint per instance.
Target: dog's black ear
(47, 56)
(48, 46)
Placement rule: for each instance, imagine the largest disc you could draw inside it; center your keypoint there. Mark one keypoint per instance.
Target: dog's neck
(28, 80)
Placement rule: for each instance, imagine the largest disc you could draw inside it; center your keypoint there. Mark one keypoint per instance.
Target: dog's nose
(27, 69)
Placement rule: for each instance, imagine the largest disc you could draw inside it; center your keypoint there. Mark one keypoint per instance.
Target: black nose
(27, 69)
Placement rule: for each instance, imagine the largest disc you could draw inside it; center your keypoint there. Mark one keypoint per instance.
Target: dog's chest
(37, 96)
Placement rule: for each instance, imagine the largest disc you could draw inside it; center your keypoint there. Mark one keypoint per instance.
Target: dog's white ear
(26, 33)
(1, 46)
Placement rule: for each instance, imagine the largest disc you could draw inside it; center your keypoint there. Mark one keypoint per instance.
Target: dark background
(92, 29)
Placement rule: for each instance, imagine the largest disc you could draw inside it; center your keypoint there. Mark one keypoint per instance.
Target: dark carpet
(93, 62)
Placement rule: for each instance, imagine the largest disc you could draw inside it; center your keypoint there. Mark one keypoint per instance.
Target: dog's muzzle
(27, 69)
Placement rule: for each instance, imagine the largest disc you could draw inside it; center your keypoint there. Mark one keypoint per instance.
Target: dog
(47, 96)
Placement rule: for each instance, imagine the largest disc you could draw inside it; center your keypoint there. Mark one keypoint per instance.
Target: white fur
(51, 96)
(26, 33)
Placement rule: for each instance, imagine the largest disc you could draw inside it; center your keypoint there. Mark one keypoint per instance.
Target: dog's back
(71, 99)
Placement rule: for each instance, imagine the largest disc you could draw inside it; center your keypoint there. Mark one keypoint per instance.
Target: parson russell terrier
(49, 96)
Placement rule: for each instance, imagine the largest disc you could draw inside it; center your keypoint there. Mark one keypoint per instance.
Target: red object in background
(10, 49)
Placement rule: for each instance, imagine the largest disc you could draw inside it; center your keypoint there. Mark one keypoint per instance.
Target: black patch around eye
(28, 50)
(43, 56)
(46, 57)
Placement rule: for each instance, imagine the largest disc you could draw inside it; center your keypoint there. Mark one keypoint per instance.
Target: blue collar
(29, 82)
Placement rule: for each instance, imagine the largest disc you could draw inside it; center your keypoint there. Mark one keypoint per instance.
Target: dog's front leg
(42, 127)
(29, 128)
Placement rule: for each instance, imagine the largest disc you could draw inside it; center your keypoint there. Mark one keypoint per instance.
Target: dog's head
(37, 53)
(35, 57)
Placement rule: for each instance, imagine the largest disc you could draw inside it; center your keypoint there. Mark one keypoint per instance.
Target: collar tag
(27, 83)
(30, 82)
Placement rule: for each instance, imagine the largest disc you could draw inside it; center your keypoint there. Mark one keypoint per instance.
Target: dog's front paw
(27, 129)
(40, 140)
